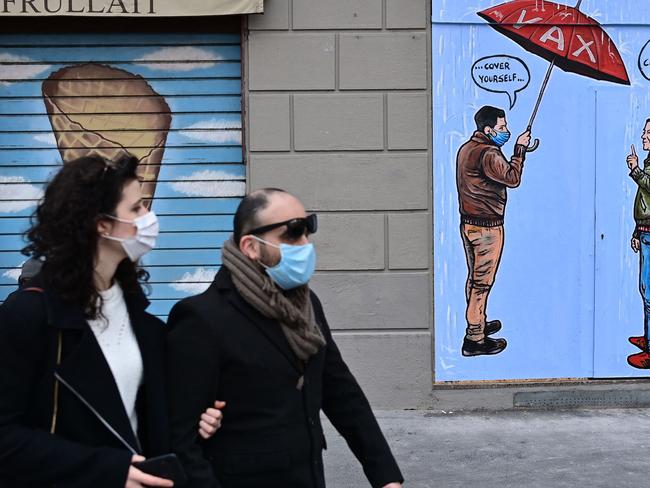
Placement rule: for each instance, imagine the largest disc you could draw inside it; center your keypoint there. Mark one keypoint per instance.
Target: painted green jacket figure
(641, 242)
(483, 175)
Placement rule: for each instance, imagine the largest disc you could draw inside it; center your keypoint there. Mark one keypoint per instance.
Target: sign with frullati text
(130, 8)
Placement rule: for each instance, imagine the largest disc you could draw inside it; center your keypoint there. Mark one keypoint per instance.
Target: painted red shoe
(640, 342)
(640, 360)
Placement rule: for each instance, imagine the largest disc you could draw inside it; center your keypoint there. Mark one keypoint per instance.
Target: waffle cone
(97, 109)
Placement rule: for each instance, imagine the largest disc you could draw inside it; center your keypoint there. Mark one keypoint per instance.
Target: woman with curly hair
(81, 363)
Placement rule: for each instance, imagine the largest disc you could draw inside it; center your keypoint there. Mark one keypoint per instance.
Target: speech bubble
(501, 74)
(644, 61)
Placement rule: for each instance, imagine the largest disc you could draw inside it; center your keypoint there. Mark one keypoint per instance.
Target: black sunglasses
(296, 228)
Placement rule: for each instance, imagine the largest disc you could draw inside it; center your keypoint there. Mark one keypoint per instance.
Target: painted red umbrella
(569, 39)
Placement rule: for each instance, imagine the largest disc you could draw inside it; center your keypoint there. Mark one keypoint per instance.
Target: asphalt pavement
(605, 448)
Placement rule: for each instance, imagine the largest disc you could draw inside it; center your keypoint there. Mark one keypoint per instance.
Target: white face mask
(144, 239)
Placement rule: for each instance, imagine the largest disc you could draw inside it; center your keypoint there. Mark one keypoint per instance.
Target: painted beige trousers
(483, 247)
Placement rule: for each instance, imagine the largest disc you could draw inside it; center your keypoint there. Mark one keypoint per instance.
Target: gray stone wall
(338, 112)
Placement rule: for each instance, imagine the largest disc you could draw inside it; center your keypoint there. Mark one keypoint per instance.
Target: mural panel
(541, 268)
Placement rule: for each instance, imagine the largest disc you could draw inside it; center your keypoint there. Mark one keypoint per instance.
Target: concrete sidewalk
(532, 449)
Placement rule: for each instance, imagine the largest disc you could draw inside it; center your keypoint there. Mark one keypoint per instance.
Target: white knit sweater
(118, 343)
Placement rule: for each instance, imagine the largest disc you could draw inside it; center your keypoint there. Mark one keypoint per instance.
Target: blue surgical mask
(297, 265)
(501, 138)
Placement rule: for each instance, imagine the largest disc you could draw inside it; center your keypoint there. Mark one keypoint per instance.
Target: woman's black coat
(82, 453)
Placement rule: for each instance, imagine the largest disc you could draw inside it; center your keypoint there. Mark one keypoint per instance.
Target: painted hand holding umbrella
(569, 39)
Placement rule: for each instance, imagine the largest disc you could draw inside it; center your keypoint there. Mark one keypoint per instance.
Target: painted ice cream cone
(97, 109)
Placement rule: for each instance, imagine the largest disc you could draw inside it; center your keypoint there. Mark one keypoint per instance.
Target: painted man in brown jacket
(482, 176)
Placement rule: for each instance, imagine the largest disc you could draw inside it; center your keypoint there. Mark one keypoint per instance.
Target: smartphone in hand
(166, 466)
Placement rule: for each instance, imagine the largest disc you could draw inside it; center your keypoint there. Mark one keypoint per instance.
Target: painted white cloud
(155, 60)
(13, 274)
(209, 183)
(216, 124)
(196, 282)
(214, 131)
(18, 71)
(16, 187)
(48, 138)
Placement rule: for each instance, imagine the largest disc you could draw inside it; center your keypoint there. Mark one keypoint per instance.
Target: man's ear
(488, 130)
(249, 247)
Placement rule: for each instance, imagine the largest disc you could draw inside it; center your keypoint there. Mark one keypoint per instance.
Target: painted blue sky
(202, 175)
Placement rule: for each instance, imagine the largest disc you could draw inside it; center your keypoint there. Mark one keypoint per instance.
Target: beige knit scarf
(291, 308)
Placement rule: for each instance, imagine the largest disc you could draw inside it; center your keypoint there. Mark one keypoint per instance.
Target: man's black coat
(220, 348)
(83, 453)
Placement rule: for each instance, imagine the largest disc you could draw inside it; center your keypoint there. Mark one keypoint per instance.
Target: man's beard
(266, 258)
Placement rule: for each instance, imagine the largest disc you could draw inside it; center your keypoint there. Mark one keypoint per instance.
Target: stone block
(408, 121)
(350, 242)
(387, 61)
(337, 14)
(338, 122)
(269, 122)
(394, 369)
(409, 241)
(347, 181)
(407, 14)
(275, 16)
(375, 300)
(295, 61)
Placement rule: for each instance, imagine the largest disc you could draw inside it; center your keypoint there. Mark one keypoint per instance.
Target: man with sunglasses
(258, 339)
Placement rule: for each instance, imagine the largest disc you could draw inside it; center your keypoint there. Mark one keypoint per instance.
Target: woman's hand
(211, 420)
(138, 479)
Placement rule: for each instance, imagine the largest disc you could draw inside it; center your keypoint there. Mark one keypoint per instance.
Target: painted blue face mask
(296, 267)
(501, 138)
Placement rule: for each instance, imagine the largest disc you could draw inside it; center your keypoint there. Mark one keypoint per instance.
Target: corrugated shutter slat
(201, 177)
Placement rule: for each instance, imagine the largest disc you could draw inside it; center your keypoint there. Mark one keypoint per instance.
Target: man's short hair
(248, 210)
(487, 117)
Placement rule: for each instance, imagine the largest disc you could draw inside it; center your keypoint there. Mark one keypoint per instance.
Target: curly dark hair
(64, 228)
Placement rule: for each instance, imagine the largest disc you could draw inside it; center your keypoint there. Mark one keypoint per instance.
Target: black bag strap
(55, 408)
(96, 414)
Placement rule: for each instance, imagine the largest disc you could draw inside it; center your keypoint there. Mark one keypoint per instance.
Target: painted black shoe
(487, 346)
(492, 327)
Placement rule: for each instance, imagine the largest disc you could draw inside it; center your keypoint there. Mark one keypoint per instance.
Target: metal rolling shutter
(201, 176)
